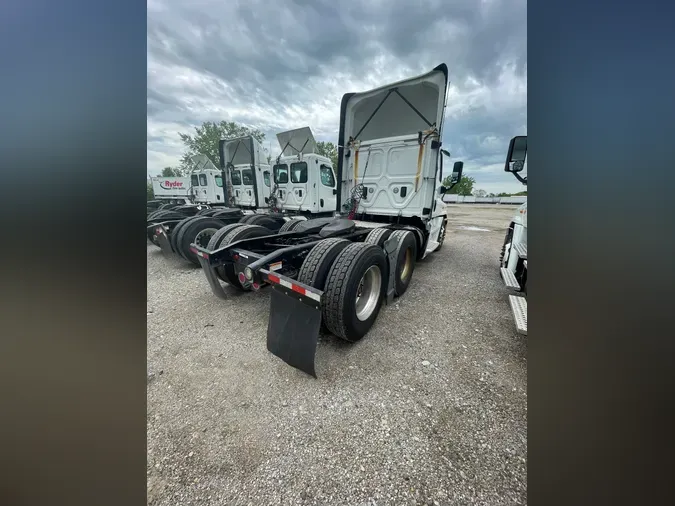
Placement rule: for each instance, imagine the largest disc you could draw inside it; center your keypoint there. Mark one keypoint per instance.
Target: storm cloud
(286, 64)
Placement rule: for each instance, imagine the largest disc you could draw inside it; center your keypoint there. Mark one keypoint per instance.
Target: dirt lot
(429, 408)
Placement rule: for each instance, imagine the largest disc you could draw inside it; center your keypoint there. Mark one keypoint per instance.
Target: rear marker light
(256, 286)
(242, 278)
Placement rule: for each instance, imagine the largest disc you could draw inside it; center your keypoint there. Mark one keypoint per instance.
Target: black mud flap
(164, 242)
(212, 277)
(293, 330)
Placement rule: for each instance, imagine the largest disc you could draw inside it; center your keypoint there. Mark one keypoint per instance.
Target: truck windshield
(281, 173)
(299, 172)
(236, 177)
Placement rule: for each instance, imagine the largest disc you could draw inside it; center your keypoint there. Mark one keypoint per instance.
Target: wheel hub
(368, 293)
(407, 264)
(202, 239)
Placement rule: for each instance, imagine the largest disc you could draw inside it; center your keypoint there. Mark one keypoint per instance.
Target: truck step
(519, 310)
(521, 249)
(509, 279)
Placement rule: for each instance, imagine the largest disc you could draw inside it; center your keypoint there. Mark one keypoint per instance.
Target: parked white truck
(304, 181)
(513, 258)
(339, 271)
(248, 175)
(203, 185)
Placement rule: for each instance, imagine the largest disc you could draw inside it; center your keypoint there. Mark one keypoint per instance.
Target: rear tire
(441, 235)
(378, 236)
(227, 272)
(189, 232)
(247, 217)
(405, 260)
(345, 315)
(173, 240)
(265, 221)
(290, 225)
(317, 264)
(216, 239)
(508, 238)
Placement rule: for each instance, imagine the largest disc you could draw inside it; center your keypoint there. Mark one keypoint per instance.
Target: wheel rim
(202, 239)
(442, 234)
(407, 264)
(368, 292)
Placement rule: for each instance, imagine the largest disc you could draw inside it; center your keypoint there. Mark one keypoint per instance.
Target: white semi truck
(339, 271)
(304, 181)
(513, 258)
(244, 164)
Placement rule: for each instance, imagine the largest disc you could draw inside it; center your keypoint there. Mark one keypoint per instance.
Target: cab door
(327, 188)
(241, 198)
(265, 186)
(248, 186)
(298, 195)
(280, 173)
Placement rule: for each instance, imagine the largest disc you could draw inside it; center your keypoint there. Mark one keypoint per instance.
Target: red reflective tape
(298, 289)
(273, 279)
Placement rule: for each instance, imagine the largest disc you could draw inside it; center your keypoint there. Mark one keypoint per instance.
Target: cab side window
(327, 177)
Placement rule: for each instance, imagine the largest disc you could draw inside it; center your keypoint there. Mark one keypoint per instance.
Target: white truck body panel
(166, 188)
(519, 237)
(380, 134)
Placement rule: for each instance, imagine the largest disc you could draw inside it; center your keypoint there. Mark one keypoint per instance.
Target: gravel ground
(424, 410)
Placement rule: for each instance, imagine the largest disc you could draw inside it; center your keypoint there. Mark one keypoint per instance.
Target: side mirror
(456, 175)
(515, 159)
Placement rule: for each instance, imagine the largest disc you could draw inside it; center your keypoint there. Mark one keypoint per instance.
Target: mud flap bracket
(212, 278)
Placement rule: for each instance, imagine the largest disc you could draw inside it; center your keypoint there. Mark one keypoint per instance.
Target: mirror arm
(520, 178)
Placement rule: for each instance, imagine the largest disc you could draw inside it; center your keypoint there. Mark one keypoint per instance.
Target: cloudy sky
(283, 64)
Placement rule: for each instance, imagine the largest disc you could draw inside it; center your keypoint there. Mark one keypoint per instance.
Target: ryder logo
(171, 185)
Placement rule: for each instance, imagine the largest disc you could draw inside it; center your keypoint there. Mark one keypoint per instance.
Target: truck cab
(513, 259)
(304, 180)
(390, 164)
(206, 186)
(244, 162)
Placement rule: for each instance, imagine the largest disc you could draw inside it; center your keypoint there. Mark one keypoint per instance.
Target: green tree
(329, 150)
(172, 172)
(464, 187)
(151, 192)
(206, 138)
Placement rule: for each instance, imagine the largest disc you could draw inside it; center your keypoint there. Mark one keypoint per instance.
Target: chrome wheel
(202, 239)
(368, 293)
